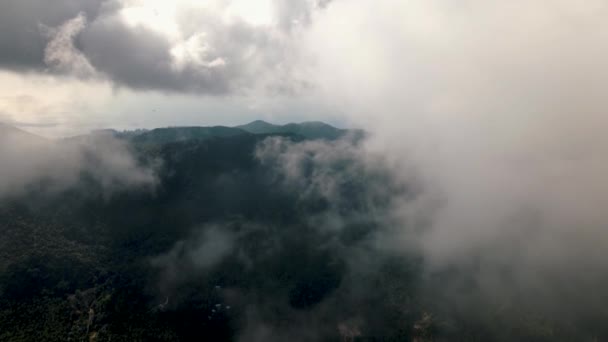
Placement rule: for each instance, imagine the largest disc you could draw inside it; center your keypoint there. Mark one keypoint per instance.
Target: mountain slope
(175, 134)
(261, 127)
(304, 130)
(310, 130)
(8, 131)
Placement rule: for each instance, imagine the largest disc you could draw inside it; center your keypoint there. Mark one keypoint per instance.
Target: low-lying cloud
(498, 107)
(32, 163)
(179, 47)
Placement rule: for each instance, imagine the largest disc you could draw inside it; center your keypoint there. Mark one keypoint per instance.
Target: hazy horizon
(29, 128)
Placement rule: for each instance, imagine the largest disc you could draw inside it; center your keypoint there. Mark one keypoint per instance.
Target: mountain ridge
(161, 135)
(305, 130)
(308, 129)
(6, 129)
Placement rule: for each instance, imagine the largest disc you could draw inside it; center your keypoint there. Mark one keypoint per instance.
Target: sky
(499, 106)
(70, 66)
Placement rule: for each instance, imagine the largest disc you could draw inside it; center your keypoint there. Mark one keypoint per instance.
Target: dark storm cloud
(135, 57)
(22, 41)
(91, 38)
(140, 58)
(223, 57)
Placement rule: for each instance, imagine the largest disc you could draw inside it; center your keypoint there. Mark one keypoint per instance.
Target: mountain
(315, 130)
(297, 131)
(260, 127)
(310, 130)
(241, 240)
(176, 134)
(14, 132)
(304, 130)
(10, 135)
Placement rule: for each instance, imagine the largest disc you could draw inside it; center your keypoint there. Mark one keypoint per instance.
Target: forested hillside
(244, 237)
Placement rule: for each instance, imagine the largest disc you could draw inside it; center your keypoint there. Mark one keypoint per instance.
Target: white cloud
(500, 107)
(54, 166)
(62, 55)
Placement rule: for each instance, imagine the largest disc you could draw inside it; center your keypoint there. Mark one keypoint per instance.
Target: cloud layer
(217, 47)
(31, 163)
(498, 108)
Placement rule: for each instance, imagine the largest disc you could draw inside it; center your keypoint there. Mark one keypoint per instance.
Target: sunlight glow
(193, 49)
(161, 15)
(259, 12)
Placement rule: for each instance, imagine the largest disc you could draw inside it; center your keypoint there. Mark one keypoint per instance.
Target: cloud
(196, 255)
(134, 57)
(23, 43)
(297, 14)
(60, 53)
(498, 107)
(183, 47)
(34, 163)
(206, 54)
(307, 264)
(354, 184)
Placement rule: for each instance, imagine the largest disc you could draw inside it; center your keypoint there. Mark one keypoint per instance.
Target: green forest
(237, 241)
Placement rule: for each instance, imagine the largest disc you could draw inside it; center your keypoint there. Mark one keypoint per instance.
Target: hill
(304, 130)
(176, 134)
(12, 132)
(247, 236)
(310, 130)
(192, 259)
(260, 127)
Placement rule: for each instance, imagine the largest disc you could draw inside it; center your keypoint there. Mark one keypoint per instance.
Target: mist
(499, 110)
(33, 164)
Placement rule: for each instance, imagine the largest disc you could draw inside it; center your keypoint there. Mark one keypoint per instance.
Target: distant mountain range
(304, 130)
(8, 131)
(311, 130)
(10, 135)
(175, 134)
(86, 252)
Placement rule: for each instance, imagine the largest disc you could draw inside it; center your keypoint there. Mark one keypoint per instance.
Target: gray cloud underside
(22, 42)
(89, 39)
